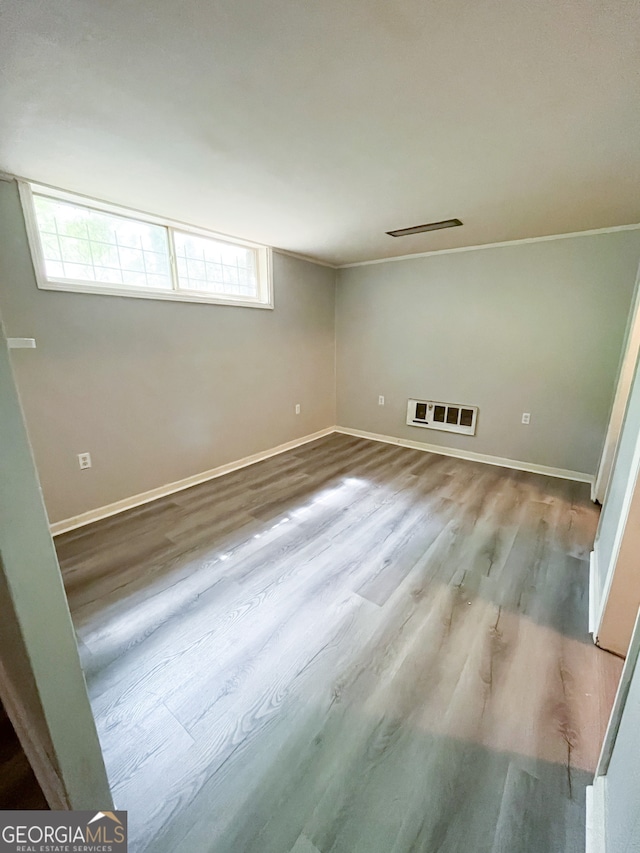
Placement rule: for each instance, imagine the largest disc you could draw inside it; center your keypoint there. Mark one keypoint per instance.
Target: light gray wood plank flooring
(349, 647)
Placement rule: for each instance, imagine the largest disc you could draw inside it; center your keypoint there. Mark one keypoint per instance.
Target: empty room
(320, 425)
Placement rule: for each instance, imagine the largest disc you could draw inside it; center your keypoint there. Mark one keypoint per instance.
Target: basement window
(88, 246)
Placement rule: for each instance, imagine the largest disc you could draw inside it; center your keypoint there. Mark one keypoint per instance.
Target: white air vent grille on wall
(448, 417)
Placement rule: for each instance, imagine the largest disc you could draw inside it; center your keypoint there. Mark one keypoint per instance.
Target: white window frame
(264, 299)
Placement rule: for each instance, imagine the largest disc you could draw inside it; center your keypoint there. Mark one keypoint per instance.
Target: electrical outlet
(526, 417)
(84, 460)
(381, 400)
(297, 408)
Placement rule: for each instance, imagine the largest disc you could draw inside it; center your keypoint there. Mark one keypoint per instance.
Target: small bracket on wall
(21, 343)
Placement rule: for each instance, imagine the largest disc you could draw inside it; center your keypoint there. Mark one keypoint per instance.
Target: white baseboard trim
(469, 455)
(593, 592)
(92, 515)
(596, 839)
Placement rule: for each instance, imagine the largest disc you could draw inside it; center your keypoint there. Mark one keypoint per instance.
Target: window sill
(164, 295)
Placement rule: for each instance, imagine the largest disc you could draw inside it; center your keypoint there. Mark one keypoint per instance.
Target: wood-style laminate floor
(348, 648)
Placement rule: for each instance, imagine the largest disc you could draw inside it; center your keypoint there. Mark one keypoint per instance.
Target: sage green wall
(39, 662)
(158, 391)
(534, 327)
(614, 504)
(622, 816)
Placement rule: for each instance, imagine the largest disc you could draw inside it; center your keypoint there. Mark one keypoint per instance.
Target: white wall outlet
(381, 400)
(297, 408)
(526, 417)
(84, 460)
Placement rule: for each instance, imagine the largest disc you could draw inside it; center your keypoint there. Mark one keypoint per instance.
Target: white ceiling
(317, 125)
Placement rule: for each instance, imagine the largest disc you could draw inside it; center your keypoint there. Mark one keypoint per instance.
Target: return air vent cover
(448, 417)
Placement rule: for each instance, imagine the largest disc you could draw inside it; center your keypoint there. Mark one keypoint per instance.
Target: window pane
(213, 266)
(89, 245)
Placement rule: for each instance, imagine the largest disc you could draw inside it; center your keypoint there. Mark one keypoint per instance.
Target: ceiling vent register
(448, 417)
(420, 229)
